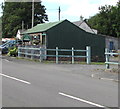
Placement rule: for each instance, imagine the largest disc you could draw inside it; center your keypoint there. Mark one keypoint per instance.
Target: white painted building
(18, 35)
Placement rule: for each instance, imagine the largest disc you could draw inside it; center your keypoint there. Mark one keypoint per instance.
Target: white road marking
(15, 78)
(107, 79)
(7, 60)
(110, 79)
(82, 100)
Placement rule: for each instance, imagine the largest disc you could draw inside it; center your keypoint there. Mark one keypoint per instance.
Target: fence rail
(108, 62)
(27, 51)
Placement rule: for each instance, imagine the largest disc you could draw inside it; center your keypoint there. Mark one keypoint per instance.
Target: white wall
(113, 39)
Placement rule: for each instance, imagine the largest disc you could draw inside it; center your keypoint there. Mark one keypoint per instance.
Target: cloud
(81, 8)
(1, 1)
(72, 2)
(86, 8)
(76, 8)
(63, 2)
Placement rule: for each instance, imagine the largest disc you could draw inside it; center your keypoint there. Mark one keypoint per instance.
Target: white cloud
(86, 8)
(73, 2)
(76, 8)
(63, 2)
(81, 8)
(1, 1)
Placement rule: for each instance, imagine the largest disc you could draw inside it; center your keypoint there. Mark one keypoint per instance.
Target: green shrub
(13, 51)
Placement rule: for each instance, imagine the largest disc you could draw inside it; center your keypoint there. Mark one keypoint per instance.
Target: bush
(13, 51)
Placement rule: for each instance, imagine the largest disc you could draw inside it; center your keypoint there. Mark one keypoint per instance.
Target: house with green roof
(65, 34)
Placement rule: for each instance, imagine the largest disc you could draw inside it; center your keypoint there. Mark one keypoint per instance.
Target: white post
(18, 51)
(119, 61)
(25, 52)
(41, 54)
(56, 55)
(72, 55)
(88, 54)
(107, 58)
(32, 52)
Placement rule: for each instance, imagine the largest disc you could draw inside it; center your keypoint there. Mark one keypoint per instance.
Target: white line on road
(107, 79)
(82, 100)
(15, 78)
(6, 60)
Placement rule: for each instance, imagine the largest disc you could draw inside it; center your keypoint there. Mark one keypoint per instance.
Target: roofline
(34, 32)
(46, 29)
(90, 26)
(87, 24)
(76, 26)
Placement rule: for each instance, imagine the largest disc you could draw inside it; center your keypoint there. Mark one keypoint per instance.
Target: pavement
(107, 75)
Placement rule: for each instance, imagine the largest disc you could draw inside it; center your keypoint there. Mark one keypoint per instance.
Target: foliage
(16, 12)
(13, 51)
(0, 28)
(107, 21)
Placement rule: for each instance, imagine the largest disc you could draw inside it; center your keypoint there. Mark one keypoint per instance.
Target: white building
(18, 35)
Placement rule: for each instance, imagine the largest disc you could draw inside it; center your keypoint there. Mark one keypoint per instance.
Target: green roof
(42, 27)
(26, 37)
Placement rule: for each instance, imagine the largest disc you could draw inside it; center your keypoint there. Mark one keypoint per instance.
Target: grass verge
(61, 62)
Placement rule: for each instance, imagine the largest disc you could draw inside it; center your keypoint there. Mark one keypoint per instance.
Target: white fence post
(56, 55)
(119, 61)
(25, 52)
(72, 55)
(32, 52)
(18, 51)
(107, 58)
(41, 54)
(88, 54)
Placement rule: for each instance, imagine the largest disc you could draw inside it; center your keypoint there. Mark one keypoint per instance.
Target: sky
(72, 9)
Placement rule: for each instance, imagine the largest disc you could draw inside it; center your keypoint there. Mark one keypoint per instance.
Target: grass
(28, 59)
(97, 63)
(61, 62)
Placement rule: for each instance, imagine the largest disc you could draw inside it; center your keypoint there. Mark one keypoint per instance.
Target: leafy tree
(16, 12)
(0, 28)
(107, 21)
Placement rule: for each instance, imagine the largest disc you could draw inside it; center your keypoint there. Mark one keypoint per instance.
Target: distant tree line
(16, 12)
(0, 28)
(107, 21)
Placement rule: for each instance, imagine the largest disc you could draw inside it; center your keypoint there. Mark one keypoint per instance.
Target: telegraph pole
(32, 13)
(22, 25)
(59, 12)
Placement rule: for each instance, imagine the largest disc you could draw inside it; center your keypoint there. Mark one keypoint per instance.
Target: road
(30, 84)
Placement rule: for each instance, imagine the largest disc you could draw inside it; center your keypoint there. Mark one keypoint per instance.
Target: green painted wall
(68, 35)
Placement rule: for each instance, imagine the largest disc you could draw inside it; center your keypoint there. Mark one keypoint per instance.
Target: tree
(16, 12)
(107, 20)
(0, 28)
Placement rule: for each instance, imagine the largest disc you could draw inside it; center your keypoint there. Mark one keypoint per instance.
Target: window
(111, 45)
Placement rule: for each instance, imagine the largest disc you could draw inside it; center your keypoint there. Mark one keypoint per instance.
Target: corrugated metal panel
(68, 35)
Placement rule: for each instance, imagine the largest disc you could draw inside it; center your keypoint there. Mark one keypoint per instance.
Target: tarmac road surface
(30, 84)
